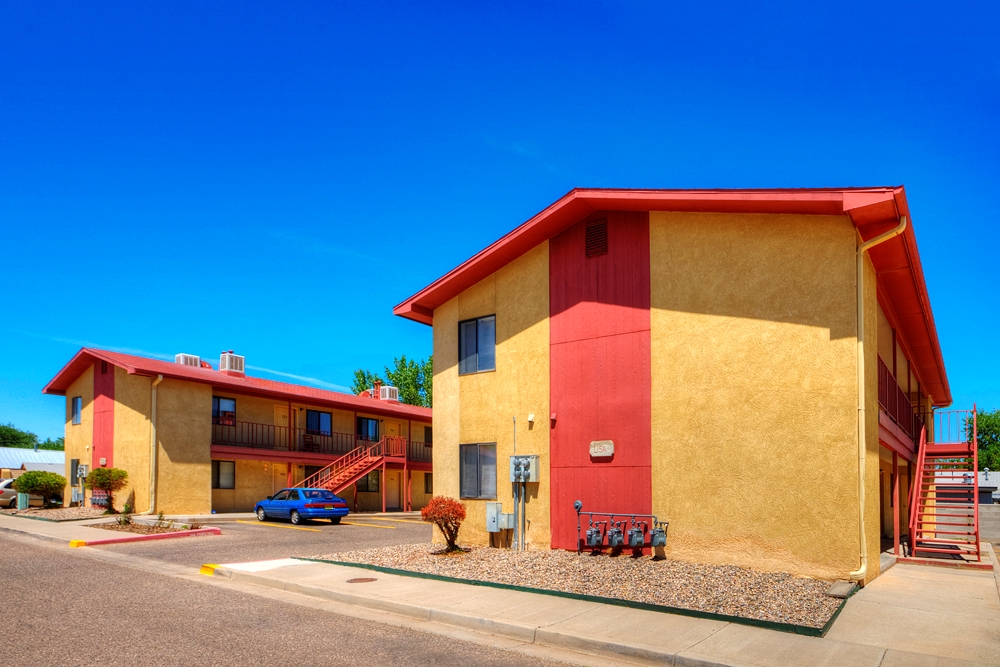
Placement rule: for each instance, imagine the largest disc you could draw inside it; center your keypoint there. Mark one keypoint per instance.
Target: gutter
(152, 446)
(859, 574)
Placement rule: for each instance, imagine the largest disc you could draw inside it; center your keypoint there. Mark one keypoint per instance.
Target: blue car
(298, 505)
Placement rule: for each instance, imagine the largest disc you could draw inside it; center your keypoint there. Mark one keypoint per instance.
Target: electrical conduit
(859, 574)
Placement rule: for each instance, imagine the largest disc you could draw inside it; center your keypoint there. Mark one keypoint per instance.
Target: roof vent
(387, 393)
(597, 238)
(232, 364)
(188, 360)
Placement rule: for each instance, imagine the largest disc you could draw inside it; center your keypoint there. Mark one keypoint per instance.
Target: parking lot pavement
(251, 540)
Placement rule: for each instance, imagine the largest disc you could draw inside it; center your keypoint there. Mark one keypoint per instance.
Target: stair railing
(916, 506)
(349, 459)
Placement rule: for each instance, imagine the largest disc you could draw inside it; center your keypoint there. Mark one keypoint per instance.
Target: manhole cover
(361, 580)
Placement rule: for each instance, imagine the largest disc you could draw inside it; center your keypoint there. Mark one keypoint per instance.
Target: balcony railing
(896, 404)
(285, 439)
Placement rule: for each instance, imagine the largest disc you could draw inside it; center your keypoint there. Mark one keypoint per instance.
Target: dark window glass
(224, 411)
(477, 340)
(428, 435)
(318, 494)
(318, 423)
(281, 495)
(428, 483)
(293, 495)
(77, 409)
(369, 482)
(74, 470)
(223, 474)
(478, 471)
(368, 428)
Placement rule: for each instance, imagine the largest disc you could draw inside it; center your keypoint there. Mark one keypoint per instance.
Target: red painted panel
(104, 414)
(600, 372)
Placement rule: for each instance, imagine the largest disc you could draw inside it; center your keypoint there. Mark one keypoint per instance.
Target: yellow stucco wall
(79, 437)
(184, 432)
(255, 480)
(479, 408)
(872, 527)
(132, 430)
(754, 412)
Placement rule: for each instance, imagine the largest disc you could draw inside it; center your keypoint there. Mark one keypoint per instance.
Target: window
(428, 435)
(367, 428)
(223, 474)
(293, 495)
(74, 472)
(318, 423)
(369, 482)
(477, 342)
(224, 411)
(282, 495)
(319, 494)
(478, 471)
(429, 483)
(77, 409)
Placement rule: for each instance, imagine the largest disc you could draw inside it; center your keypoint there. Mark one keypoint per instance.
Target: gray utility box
(529, 463)
(496, 520)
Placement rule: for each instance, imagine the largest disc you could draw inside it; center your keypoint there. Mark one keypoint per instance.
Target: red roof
(873, 211)
(244, 385)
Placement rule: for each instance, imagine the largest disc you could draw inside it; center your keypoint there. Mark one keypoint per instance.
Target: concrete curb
(40, 536)
(146, 538)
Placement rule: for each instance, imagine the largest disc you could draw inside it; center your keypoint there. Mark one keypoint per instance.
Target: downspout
(860, 573)
(152, 446)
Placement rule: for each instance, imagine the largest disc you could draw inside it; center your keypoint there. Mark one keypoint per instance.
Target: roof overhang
(872, 210)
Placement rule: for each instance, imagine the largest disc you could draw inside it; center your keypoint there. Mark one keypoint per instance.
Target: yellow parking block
(77, 543)
(278, 525)
(208, 569)
(369, 525)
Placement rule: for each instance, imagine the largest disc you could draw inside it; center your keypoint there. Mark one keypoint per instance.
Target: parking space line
(379, 518)
(369, 525)
(277, 525)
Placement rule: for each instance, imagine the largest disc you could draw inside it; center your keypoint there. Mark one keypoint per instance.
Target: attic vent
(231, 364)
(388, 394)
(187, 359)
(597, 238)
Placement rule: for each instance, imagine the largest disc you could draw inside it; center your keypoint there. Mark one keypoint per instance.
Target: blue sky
(273, 177)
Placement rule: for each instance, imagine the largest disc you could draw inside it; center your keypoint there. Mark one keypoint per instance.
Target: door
(281, 426)
(393, 485)
(392, 428)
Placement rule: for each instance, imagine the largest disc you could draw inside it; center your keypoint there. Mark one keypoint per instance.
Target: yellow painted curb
(77, 543)
(369, 525)
(208, 569)
(278, 525)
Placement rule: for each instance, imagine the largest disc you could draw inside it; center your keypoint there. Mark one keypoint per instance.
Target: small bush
(109, 480)
(447, 514)
(40, 483)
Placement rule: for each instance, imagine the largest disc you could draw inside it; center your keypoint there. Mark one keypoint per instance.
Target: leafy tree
(109, 480)
(447, 514)
(40, 483)
(11, 436)
(988, 433)
(413, 379)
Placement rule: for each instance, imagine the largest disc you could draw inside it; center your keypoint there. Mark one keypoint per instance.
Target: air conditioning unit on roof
(232, 364)
(188, 360)
(390, 394)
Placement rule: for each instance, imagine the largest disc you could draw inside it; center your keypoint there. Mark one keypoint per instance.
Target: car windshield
(319, 494)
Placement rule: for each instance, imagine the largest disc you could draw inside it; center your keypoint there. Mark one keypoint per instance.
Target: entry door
(394, 479)
(392, 428)
(281, 424)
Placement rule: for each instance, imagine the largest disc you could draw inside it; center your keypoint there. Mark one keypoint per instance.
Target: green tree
(40, 483)
(11, 436)
(413, 379)
(109, 480)
(988, 434)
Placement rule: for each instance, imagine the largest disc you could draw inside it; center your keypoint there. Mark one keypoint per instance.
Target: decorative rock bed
(59, 513)
(718, 589)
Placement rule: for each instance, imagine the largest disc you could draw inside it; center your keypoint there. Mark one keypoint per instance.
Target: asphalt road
(63, 609)
(241, 542)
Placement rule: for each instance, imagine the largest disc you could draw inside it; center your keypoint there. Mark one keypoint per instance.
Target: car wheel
(335, 520)
(13, 503)
(261, 515)
(295, 517)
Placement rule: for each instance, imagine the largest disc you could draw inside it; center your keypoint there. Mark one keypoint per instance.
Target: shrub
(447, 514)
(109, 480)
(40, 483)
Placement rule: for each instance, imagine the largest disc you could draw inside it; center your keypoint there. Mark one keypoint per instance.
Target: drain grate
(361, 580)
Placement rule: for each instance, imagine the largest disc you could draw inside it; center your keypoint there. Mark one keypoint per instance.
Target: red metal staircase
(944, 516)
(354, 465)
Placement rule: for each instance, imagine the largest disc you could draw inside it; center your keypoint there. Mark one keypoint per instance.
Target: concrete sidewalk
(50, 530)
(917, 615)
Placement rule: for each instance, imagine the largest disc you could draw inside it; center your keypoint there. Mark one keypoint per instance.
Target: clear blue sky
(274, 177)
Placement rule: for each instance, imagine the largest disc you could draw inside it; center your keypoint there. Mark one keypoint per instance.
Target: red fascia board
(249, 385)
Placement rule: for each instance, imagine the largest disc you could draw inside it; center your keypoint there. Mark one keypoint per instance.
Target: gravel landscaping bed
(138, 528)
(719, 589)
(59, 513)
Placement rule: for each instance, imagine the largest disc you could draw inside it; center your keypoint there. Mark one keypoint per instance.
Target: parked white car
(8, 495)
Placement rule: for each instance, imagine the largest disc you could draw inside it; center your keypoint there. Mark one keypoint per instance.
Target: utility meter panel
(524, 468)
(493, 512)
